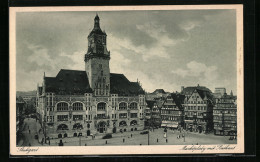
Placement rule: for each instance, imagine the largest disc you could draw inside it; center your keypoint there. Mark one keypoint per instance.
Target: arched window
(62, 106)
(133, 106)
(77, 126)
(122, 123)
(77, 106)
(122, 106)
(133, 122)
(101, 106)
(62, 127)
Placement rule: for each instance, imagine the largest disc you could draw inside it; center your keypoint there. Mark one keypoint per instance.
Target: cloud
(77, 60)
(41, 57)
(199, 46)
(204, 74)
(154, 30)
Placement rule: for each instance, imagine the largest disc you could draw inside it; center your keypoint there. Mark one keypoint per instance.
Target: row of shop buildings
(195, 109)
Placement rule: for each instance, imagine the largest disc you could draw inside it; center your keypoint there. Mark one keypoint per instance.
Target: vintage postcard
(126, 80)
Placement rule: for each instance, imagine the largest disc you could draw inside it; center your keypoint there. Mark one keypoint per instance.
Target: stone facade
(93, 101)
(172, 112)
(225, 115)
(198, 108)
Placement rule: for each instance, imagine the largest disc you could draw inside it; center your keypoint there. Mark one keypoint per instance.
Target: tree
(30, 107)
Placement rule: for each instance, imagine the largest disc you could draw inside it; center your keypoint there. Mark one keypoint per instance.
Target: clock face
(99, 39)
(100, 49)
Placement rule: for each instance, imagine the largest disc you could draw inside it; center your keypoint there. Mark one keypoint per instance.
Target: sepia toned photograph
(152, 80)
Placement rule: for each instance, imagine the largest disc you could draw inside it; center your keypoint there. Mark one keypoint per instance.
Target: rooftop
(69, 82)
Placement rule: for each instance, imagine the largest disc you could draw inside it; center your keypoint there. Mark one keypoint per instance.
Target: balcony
(122, 109)
(101, 117)
(217, 121)
(134, 109)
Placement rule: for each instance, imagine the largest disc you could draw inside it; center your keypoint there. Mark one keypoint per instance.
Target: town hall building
(94, 101)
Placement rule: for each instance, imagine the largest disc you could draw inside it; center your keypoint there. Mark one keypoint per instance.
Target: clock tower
(97, 61)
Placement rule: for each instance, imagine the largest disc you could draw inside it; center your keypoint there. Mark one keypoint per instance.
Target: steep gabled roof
(178, 99)
(150, 103)
(120, 85)
(159, 103)
(159, 91)
(189, 90)
(68, 82)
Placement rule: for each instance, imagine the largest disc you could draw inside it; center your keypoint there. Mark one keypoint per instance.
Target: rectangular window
(134, 115)
(77, 117)
(123, 115)
(77, 106)
(62, 117)
(101, 116)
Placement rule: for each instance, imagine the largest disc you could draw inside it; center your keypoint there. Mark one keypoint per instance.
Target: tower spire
(96, 22)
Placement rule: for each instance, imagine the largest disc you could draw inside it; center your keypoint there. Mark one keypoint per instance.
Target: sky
(162, 49)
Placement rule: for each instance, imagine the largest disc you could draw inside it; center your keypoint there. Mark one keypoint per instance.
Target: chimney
(231, 93)
(182, 88)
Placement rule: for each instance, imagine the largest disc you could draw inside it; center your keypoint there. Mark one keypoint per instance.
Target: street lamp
(148, 135)
(80, 138)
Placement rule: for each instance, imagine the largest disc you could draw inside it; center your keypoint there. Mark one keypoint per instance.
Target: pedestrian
(29, 131)
(106, 141)
(157, 140)
(131, 135)
(123, 140)
(49, 142)
(166, 140)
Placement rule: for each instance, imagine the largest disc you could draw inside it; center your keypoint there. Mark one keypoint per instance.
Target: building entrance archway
(101, 127)
(114, 130)
(200, 129)
(88, 132)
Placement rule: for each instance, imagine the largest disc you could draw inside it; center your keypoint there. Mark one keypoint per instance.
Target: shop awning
(163, 125)
(172, 125)
(188, 121)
